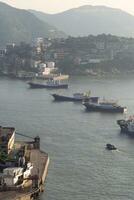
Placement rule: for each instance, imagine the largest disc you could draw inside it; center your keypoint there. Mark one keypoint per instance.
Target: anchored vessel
(79, 97)
(50, 84)
(105, 106)
(127, 126)
(23, 167)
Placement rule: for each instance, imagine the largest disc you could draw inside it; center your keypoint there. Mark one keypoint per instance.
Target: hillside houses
(91, 49)
(68, 54)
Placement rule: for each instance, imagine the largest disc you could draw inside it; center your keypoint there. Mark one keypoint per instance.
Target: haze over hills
(94, 20)
(18, 25)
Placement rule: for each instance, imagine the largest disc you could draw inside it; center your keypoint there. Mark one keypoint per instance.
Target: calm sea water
(80, 167)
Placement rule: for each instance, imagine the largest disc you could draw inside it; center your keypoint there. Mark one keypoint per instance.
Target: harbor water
(80, 166)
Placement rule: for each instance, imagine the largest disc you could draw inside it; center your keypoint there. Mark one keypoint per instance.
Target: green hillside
(20, 25)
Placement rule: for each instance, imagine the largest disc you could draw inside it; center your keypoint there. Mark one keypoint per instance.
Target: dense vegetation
(115, 54)
(93, 55)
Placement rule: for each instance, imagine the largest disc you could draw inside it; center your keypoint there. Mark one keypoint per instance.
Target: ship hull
(73, 99)
(41, 86)
(99, 108)
(126, 131)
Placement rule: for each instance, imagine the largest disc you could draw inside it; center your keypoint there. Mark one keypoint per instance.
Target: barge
(23, 167)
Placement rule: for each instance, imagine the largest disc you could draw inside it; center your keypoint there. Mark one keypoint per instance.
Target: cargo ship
(23, 166)
(104, 106)
(77, 97)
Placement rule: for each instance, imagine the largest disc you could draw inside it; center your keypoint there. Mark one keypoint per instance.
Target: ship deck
(40, 161)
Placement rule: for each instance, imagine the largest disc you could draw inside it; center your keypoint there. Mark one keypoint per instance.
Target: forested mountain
(20, 25)
(94, 20)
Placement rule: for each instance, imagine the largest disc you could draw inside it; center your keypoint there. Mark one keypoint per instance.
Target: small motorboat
(110, 147)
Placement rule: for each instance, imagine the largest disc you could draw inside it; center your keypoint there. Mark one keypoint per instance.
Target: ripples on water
(80, 167)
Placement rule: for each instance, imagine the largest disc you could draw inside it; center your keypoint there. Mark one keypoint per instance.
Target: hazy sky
(54, 6)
